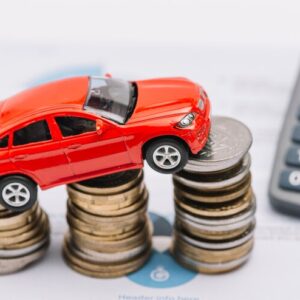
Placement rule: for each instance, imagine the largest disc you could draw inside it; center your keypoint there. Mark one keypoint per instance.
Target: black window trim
(32, 144)
(78, 115)
(7, 134)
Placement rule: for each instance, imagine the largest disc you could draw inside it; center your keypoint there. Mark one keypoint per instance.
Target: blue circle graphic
(162, 271)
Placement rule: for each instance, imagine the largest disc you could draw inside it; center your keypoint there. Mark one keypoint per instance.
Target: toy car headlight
(187, 120)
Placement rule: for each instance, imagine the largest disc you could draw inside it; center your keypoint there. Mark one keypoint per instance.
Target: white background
(246, 55)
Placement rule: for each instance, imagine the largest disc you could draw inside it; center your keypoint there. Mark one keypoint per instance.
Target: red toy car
(78, 128)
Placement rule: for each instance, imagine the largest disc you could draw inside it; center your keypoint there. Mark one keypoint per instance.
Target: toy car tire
(17, 193)
(167, 155)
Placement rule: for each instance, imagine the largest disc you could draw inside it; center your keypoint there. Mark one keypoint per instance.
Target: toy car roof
(71, 92)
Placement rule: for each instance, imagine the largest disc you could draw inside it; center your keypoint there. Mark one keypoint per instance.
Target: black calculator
(284, 187)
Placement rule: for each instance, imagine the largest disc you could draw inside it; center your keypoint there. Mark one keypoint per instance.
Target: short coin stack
(24, 238)
(110, 233)
(214, 202)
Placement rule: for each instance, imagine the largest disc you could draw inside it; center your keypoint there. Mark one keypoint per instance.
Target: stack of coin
(24, 238)
(214, 202)
(110, 232)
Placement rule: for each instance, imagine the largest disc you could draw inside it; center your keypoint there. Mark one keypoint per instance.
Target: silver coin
(11, 265)
(101, 257)
(218, 224)
(191, 181)
(13, 253)
(217, 245)
(228, 142)
(213, 267)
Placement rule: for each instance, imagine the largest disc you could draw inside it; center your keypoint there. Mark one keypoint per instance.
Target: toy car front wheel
(167, 155)
(17, 193)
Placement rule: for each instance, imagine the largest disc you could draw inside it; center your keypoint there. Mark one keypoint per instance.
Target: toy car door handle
(74, 146)
(20, 157)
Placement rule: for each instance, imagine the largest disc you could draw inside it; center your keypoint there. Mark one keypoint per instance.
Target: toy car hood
(159, 96)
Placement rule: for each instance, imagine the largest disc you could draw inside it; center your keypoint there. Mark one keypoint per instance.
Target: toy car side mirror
(99, 126)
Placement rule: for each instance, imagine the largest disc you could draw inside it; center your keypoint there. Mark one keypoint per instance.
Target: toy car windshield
(111, 98)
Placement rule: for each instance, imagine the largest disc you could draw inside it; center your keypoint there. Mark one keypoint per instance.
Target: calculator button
(290, 180)
(296, 134)
(293, 157)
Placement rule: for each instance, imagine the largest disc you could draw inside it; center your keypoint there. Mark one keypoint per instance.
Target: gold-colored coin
(95, 217)
(98, 189)
(40, 235)
(106, 202)
(107, 258)
(25, 236)
(213, 256)
(217, 197)
(18, 231)
(216, 211)
(104, 271)
(208, 268)
(107, 229)
(16, 220)
(213, 235)
(110, 209)
(99, 244)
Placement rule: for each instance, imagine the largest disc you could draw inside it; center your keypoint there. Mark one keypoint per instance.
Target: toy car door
(88, 151)
(36, 153)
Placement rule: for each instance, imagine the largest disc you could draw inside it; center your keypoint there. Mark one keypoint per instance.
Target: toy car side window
(4, 142)
(32, 133)
(70, 125)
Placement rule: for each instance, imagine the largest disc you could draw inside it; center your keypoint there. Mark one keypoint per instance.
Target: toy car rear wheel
(17, 193)
(167, 155)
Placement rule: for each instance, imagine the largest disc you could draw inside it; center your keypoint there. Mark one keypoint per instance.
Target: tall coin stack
(110, 233)
(24, 238)
(214, 202)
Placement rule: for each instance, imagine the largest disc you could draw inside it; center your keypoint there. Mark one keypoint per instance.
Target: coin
(220, 210)
(215, 181)
(214, 197)
(228, 142)
(214, 202)
(125, 201)
(210, 268)
(98, 243)
(11, 265)
(113, 257)
(218, 224)
(109, 230)
(24, 238)
(104, 271)
(214, 256)
(110, 184)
